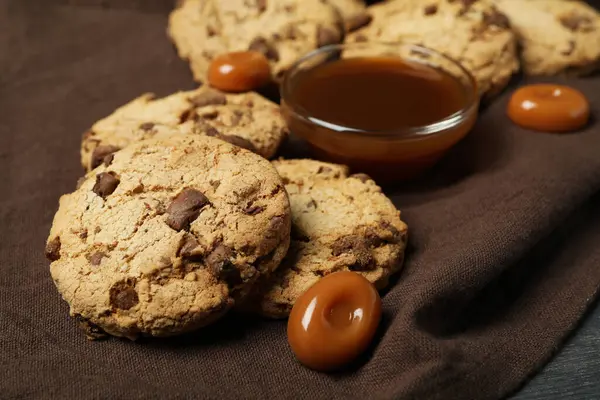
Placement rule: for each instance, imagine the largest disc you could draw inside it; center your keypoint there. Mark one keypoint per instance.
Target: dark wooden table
(574, 373)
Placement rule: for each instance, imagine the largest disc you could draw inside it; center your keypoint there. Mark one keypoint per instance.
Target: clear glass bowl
(391, 155)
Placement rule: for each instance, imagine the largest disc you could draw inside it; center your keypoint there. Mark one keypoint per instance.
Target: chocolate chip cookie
(340, 222)
(555, 36)
(247, 120)
(472, 32)
(167, 234)
(283, 30)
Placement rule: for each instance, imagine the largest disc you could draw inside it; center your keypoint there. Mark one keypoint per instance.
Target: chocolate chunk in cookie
(100, 153)
(123, 295)
(372, 238)
(52, 250)
(96, 257)
(206, 128)
(147, 126)
(238, 141)
(343, 245)
(358, 21)
(388, 226)
(253, 209)
(430, 9)
(185, 208)
(495, 18)
(188, 246)
(208, 97)
(219, 261)
(106, 184)
(356, 246)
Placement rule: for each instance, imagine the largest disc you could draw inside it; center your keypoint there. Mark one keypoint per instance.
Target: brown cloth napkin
(503, 258)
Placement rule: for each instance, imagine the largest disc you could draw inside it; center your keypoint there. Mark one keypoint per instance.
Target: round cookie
(283, 30)
(247, 120)
(167, 235)
(339, 222)
(555, 35)
(474, 33)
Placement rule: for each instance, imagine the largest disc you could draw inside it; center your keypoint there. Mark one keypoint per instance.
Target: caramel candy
(334, 321)
(240, 71)
(549, 108)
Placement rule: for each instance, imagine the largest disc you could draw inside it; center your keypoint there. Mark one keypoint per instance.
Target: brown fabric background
(503, 258)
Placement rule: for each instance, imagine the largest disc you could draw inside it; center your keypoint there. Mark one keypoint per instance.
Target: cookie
(340, 222)
(167, 235)
(472, 32)
(555, 36)
(283, 30)
(247, 120)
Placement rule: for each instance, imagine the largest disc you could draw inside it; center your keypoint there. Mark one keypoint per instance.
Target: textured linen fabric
(503, 256)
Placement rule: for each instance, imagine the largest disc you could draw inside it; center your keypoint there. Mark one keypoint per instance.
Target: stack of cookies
(181, 218)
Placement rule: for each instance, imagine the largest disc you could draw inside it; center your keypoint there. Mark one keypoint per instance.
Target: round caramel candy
(334, 321)
(240, 71)
(550, 108)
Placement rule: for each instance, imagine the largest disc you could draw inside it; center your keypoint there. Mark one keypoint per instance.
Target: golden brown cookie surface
(340, 222)
(167, 235)
(247, 120)
(555, 36)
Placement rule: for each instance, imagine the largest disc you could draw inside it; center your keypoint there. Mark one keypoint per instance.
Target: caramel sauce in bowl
(389, 110)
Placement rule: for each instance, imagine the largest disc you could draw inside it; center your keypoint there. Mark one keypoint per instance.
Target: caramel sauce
(375, 114)
(378, 93)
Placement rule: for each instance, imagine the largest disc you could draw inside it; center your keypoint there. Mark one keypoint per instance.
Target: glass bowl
(390, 155)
